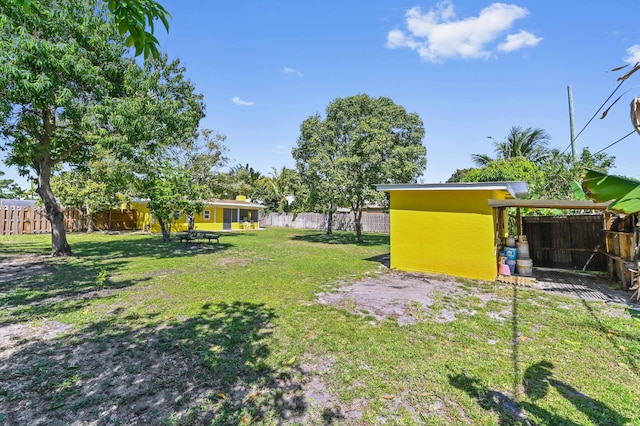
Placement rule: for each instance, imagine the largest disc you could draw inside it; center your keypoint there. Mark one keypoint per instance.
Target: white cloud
(438, 35)
(236, 100)
(518, 41)
(288, 71)
(634, 54)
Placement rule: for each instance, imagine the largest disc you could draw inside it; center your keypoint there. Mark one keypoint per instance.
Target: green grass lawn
(133, 330)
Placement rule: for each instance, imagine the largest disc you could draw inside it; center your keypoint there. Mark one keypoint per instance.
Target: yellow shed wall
(445, 232)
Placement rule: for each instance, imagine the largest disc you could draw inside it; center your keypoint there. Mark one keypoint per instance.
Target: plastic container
(511, 253)
(511, 241)
(504, 269)
(512, 266)
(524, 267)
(523, 250)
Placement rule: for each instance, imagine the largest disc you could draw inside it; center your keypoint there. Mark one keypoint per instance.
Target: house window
(207, 215)
(176, 214)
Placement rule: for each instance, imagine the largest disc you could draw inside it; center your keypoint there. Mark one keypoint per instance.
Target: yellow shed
(448, 228)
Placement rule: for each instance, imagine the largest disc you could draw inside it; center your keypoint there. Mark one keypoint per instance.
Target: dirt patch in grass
(16, 268)
(412, 297)
(409, 298)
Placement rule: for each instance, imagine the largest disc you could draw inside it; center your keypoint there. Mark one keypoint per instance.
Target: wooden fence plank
(32, 220)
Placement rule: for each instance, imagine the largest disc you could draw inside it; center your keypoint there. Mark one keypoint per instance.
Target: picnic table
(195, 234)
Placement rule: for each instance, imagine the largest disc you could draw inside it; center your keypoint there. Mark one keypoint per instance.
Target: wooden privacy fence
(570, 242)
(371, 222)
(115, 220)
(32, 220)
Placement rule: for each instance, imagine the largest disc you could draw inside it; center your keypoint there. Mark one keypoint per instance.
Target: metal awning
(551, 204)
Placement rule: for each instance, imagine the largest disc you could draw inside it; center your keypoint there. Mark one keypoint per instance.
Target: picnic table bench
(195, 234)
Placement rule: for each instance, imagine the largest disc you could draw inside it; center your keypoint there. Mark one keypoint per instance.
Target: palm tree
(528, 143)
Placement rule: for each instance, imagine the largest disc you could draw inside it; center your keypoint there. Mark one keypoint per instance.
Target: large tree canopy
(361, 142)
(60, 64)
(134, 19)
(159, 118)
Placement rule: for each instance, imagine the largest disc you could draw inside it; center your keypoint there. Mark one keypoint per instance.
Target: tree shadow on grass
(343, 238)
(151, 246)
(34, 288)
(536, 381)
(537, 384)
(212, 368)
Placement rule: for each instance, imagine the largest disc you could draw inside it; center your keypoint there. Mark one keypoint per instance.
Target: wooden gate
(568, 242)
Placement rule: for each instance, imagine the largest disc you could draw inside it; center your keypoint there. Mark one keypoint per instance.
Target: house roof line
(218, 202)
(517, 189)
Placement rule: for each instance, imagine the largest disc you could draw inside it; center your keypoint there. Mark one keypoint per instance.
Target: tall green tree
(159, 115)
(169, 189)
(530, 144)
(180, 178)
(60, 64)
(318, 159)
(361, 142)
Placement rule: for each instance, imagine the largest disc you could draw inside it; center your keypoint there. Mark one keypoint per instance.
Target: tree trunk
(357, 216)
(59, 244)
(166, 231)
(330, 219)
(89, 221)
(43, 165)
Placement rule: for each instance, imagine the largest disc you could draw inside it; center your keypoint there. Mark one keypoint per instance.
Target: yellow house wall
(214, 223)
(445, 232)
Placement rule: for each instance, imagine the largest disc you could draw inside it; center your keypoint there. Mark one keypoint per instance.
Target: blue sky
(469, 69)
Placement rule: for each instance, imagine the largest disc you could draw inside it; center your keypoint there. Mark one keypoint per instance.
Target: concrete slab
(580, 284)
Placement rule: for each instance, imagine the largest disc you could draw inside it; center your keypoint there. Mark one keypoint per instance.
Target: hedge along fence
(371, 222)
(33, 220)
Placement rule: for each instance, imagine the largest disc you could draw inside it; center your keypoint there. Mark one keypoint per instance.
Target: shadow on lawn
(536, 381)
(151, 246)
(34, 288)
(343, 238)
(208, 369)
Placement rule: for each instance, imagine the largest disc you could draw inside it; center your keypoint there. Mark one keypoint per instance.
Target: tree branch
(66, 153)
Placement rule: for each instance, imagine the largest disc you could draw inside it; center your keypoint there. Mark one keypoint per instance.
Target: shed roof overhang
(516, 189)
(551, 204)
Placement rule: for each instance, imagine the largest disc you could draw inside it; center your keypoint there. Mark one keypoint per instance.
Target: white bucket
(523, 250)
(524, 267)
